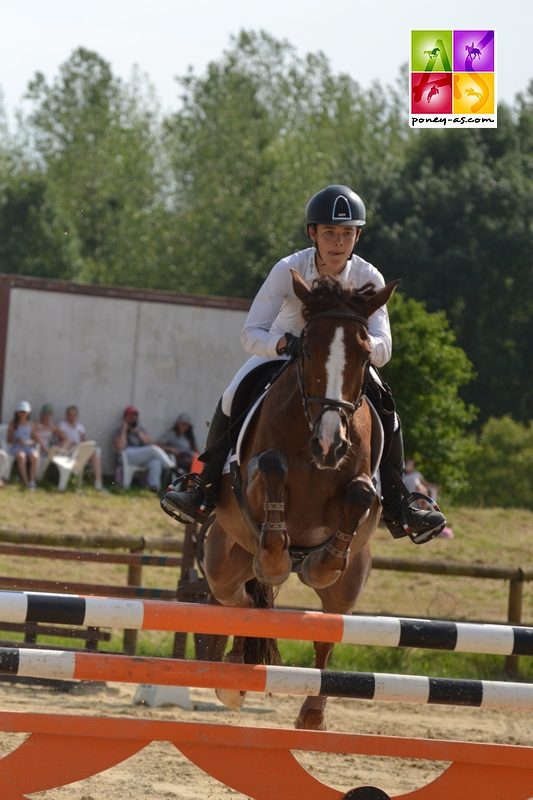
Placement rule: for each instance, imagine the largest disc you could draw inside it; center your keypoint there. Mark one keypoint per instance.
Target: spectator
(415, 481)
(48, 434)
(72, 434)
(22, 436)
(140, 449)
(180, 443)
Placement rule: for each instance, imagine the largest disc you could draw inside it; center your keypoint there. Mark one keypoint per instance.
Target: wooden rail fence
(163, 552)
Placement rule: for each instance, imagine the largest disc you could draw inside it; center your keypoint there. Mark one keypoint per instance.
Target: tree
(256, 136)
(500, 466)
(456, 226)
(97, 142)
(426, 372)
(34, 239)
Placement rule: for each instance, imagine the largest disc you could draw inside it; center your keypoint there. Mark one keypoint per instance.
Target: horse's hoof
(315, 582)
(269, 580)
(311, 721)
(230, 699)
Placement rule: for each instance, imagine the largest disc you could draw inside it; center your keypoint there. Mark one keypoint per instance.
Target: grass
(482, 536)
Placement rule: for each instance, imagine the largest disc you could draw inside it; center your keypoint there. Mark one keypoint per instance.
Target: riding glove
(292, 348)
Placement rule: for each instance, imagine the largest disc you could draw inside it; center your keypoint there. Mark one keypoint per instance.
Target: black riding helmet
(335, 205)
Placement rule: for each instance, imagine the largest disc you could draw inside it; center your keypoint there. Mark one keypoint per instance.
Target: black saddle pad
(250, 388)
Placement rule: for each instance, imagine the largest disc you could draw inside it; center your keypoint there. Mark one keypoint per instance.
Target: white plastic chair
(5, 446)
(129, 470)
(73, 464)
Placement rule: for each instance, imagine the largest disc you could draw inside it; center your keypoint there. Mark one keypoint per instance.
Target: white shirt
(74, 433)
(276, 310)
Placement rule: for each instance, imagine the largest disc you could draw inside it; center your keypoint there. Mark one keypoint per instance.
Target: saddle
(253, 386)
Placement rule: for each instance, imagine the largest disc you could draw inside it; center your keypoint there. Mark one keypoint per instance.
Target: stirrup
(189, 482)
(400, 528)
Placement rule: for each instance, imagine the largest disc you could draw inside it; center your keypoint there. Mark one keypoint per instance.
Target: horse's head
(332, 366)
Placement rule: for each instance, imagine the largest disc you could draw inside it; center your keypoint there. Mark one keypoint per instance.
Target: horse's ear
(381, 297)
(301, 289)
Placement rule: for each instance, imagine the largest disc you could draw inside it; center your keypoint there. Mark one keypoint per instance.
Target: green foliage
(456, 226)
(96, 141)
(257, 135)
(501, 465)
(426, 373)
(34, 237)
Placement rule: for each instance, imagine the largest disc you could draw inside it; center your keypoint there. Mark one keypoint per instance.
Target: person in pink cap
(140, 448)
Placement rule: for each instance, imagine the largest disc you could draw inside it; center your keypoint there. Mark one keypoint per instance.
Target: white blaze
(330, 423)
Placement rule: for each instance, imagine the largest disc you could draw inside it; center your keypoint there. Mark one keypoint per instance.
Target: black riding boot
(198, 502)
(400, 513)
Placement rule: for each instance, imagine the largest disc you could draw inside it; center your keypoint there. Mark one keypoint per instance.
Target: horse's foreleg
(228, 568)
(323, 567)
(312, 712)
(272, 562)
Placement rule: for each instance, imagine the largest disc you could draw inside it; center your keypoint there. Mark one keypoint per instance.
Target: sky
(368, 39)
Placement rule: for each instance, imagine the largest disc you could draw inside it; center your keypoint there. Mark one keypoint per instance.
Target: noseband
(345, 409)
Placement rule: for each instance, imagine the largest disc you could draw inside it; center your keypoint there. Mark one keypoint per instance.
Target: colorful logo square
(453, 78)
(473, 51)
(431, 92)
(473, 93)
(431, 51)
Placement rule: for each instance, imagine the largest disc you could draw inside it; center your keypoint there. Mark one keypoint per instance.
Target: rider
(334, 218)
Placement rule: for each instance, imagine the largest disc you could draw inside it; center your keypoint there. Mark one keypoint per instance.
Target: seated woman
(24, 444)
(48, 433)
(72, 433)
(132, 439)
(180, 443)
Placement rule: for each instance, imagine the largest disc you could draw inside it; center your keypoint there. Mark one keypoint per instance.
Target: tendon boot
(196, 503)
(400, 513)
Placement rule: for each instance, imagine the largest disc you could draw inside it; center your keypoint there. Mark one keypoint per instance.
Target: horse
(432, 53)
(473, 52)
(472, 93)
(310, 502)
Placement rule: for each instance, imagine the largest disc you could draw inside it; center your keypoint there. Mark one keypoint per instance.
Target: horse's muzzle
(333, 456)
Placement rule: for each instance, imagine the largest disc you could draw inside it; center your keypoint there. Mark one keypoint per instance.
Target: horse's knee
(360, 492)
(272, 462)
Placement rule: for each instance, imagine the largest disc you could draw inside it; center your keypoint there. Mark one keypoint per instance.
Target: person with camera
(139, 448)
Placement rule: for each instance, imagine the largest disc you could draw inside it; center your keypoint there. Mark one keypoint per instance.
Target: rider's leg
(202, 498)
(400, 512)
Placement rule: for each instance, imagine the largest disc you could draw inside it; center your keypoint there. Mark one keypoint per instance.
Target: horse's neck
(282, 412)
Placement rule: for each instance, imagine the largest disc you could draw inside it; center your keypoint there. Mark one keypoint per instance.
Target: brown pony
(305, 468)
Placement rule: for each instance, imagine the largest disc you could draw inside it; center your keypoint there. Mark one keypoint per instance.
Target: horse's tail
(261, 651)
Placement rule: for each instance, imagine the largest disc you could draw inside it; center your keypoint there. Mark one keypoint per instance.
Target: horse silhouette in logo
(432, 53)
(432, 92)
(472, 93)
(473, 52)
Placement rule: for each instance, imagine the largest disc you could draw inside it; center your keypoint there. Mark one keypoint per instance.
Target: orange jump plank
(255, 761)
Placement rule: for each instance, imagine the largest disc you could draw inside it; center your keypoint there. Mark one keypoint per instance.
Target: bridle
(345, 408)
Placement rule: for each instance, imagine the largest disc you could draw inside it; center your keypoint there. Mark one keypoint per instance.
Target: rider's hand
(292, 348)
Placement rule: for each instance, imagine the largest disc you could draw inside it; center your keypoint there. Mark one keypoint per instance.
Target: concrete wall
(102, 353)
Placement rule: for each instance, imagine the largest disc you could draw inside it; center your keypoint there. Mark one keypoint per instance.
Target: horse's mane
(327, 294)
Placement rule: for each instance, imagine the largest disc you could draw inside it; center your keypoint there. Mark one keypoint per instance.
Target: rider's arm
(380, 337)
(378, 323)
(256, 337)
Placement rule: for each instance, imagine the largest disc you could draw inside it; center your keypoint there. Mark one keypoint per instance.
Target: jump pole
(71, 665)
(257, 761)
(465, 637)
